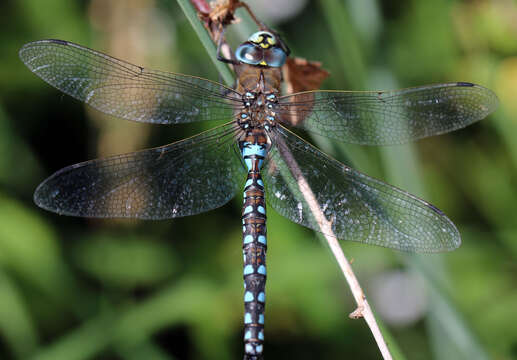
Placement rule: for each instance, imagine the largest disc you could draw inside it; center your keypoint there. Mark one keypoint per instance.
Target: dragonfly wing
(387, 117)
(121, 89)
(184, 178)
(358, 207)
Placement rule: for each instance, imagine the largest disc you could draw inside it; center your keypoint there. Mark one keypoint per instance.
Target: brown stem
(363, 307)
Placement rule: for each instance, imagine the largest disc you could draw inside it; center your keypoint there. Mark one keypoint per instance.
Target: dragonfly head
(262, 49)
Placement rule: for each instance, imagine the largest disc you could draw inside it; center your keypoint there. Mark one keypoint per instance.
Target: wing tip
(451, 242)
(33, 44)
(492, 101)
(41, 199)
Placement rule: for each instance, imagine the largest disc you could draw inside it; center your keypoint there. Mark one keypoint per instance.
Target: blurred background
(73, 288)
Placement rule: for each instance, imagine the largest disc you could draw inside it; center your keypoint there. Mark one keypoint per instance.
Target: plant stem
(206, 40)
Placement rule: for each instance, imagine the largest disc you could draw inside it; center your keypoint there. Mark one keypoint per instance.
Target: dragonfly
(254, 151)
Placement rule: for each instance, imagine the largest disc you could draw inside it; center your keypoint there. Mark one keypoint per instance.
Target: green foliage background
(73, 288)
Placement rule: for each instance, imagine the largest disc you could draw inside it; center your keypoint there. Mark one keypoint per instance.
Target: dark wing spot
(57, 41)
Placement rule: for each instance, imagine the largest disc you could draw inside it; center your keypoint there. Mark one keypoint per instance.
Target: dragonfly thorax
(258, 110)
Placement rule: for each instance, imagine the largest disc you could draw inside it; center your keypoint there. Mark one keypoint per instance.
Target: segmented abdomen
(254, 150)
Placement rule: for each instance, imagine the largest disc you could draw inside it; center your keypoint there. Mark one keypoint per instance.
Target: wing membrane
(184, 178)
(121, 89)
(388, 117)
(359, 207)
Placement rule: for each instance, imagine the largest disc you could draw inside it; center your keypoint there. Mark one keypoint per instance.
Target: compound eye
(275, 57)
(249, 54)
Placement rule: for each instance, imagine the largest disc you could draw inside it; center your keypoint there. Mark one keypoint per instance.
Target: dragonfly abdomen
(254, 150)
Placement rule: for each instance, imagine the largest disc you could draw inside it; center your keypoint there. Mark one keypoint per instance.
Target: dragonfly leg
(220, 56)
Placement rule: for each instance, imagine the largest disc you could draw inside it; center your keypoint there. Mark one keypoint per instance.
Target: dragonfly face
(261, 49)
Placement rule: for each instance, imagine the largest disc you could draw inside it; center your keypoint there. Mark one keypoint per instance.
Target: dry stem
(363, 308)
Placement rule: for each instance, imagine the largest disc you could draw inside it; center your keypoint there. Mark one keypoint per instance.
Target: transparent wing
(131, 92)
(387, 117)
(184, 178)
(358, 207)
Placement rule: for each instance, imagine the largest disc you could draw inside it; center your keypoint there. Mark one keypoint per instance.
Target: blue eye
(275, 57)
(249, 54)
